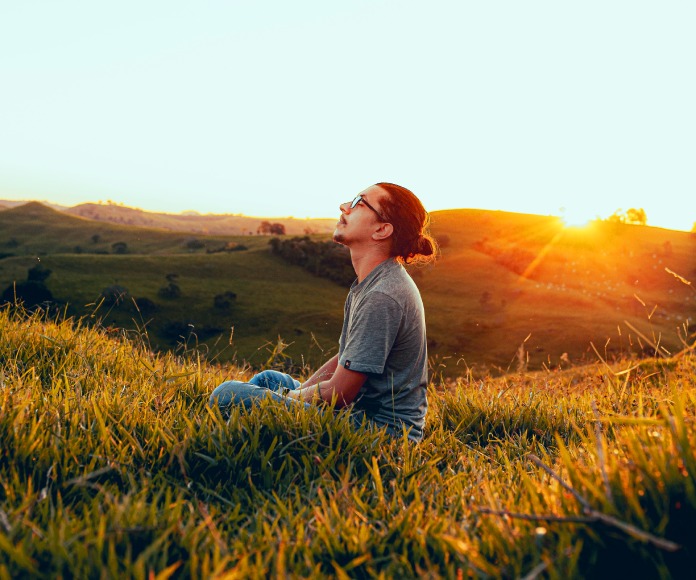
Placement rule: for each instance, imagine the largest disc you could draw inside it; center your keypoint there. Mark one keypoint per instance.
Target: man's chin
(339, 238)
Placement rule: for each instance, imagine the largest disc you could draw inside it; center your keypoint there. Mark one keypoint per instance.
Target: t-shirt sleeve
(372, 330)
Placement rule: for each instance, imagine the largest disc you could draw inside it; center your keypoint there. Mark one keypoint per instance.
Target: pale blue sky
(279, 108)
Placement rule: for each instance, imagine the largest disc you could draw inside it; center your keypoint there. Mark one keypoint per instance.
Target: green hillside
(271, 296)
(510, 290)
(506, 280)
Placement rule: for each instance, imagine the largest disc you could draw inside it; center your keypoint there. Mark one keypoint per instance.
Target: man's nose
(344, 207)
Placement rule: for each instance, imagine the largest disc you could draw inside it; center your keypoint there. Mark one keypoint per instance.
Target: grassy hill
(187, 222)
(510, 280)
(209, 224)
(111, 465)
(511, 291)
(270, 295)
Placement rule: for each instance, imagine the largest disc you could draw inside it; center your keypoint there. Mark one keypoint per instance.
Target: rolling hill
(510, 292)
(186, 222)
(208, 224)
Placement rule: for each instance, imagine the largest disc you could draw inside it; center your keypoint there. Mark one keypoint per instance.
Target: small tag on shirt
(347, 364)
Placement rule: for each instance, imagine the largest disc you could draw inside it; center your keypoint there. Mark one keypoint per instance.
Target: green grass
(111, 465)
(511, 290)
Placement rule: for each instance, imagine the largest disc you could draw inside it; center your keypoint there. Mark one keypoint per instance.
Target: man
(381, 365)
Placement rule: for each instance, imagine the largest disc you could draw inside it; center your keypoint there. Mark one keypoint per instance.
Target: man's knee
(264, 379)
(222, 395)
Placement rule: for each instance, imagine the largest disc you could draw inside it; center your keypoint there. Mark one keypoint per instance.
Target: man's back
(384, 337)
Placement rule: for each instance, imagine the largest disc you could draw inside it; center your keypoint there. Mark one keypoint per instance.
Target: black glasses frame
(358, 198)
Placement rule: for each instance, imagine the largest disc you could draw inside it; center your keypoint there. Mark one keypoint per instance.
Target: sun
(577, 217)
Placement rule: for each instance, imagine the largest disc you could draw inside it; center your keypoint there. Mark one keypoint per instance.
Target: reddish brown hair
(411, 240)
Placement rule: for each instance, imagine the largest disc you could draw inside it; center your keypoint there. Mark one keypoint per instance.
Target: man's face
(357, 224)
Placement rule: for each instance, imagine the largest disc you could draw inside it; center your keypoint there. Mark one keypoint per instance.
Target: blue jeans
(272, 384)
(265, 384)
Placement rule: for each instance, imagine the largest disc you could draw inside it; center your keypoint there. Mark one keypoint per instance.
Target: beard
(339, 238)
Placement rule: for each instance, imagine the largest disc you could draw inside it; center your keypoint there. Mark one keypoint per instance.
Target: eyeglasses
(358, 198)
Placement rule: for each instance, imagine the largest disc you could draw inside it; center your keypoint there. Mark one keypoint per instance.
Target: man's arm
(344, 385)
(323, 374)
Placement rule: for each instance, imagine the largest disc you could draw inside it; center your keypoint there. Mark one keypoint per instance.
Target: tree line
(322, 258)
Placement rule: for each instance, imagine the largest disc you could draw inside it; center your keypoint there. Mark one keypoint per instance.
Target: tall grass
(112, 465)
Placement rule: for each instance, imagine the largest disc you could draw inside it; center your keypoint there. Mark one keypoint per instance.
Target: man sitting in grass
(381, 365)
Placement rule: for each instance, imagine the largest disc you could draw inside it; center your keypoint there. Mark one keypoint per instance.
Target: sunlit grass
(111, 464)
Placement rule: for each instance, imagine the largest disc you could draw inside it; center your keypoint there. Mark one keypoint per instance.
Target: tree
(119, 247)
(278, 229)
(171, 290)
(631, 216)
(224, 301)
(636, 217)
(30, 293)
(194, 244)
(38, 273)
(145, 306)
(115, 294)
(264, 228)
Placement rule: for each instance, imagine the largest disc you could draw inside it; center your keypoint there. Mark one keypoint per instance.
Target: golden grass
(111, 464)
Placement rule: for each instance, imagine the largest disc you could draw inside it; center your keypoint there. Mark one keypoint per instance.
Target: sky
(279, 108)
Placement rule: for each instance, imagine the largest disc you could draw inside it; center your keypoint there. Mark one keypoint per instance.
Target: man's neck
(365, 262)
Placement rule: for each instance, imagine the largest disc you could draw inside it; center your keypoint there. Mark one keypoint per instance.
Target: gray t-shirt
(383, 336)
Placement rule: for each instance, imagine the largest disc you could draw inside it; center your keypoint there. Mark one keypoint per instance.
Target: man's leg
(265, 384)
(275, 381)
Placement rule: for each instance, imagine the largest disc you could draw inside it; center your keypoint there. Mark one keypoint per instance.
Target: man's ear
(385, 230)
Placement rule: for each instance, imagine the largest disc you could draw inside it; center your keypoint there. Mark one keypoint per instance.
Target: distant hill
(209, 224)
(510, 291)
(15, 203)
(191, 222)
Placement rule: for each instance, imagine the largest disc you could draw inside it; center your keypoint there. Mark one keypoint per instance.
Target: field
(112, 465)
(510, 292)
(270, 308)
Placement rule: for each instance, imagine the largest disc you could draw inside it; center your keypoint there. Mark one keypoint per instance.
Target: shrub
(38, 273)
(145, 306)
(31, 293)
(119, 247)
(224, 301)
(170, 291)
(325, 259)
(115, 294)
(194, 244)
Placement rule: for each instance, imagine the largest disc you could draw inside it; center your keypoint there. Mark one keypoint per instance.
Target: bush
(224, 301)
(145, 306)
(170, 291)
(115, 295)
(325, 259)
(176, 330)
(31, 293)
(38, 273)
(194, 244)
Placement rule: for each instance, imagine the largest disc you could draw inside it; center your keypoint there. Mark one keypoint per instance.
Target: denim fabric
(272, 384)
(265, 384)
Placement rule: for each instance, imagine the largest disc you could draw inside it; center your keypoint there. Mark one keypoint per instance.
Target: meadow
(112, 465)
(510, 291)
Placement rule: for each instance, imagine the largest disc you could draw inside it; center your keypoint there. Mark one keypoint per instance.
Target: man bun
(411, 240)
